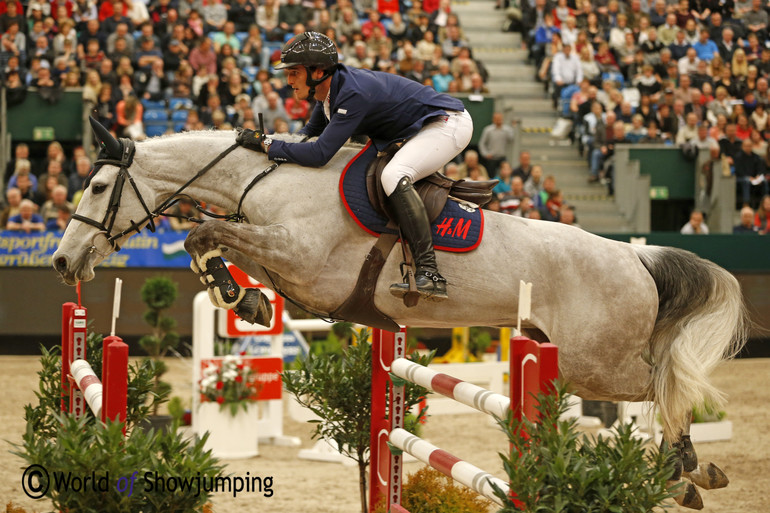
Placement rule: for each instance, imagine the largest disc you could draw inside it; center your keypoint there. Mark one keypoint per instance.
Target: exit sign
(659, 193)
(43, 133)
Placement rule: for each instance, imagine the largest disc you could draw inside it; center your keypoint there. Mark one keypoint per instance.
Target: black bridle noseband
(124, 162)
(105, 226)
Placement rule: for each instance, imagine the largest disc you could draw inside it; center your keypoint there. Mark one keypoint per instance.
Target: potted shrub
(337, 388)
(88, 448)
(159, 294)
(709, 425)
(228, 408)
(553, 467)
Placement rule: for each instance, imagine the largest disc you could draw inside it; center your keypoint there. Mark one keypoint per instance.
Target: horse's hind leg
(704, 475)
(685, 460)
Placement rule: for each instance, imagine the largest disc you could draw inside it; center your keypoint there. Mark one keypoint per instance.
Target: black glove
(250, 139)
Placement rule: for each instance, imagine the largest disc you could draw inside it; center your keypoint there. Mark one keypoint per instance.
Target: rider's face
(296, 77)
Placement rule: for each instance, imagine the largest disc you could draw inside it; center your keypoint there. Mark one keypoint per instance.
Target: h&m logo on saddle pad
(457, 228)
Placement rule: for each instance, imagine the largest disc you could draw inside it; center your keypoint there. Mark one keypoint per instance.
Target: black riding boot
(410, 213)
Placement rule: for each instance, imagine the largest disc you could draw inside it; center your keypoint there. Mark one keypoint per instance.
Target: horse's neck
(170, 162)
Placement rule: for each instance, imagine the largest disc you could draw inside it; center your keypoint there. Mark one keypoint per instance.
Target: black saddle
(434, 190)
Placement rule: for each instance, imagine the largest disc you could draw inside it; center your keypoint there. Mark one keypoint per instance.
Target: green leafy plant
(176, 409)
(86, 447)
(159, 294)
(430, 491)
(140, 395)
(479, 339)
(337, 388)
(556, 469)
(232, 384)
(707, 414)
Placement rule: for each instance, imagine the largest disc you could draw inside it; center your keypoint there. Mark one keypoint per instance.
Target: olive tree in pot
(337, 387)
(159, 294)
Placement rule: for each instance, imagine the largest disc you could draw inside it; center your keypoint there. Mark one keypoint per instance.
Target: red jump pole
(67, 310)
(524, 377)
(74, 321)
(115, 380)
(385, 467)
(382, 355)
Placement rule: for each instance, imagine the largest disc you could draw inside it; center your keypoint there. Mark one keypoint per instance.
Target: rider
(386, 108)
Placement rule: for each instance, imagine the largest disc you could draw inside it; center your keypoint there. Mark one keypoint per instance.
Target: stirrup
(430, 286)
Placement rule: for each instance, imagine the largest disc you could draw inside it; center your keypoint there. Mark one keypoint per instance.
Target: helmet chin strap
(313, 83)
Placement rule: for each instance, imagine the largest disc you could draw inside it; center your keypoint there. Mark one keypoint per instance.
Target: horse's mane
(349, 146)
(231, 133)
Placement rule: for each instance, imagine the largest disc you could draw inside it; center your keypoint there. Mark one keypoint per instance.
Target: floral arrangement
(232, 384)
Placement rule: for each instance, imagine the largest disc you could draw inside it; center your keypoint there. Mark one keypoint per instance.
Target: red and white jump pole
(463, 392)
(106, 398)
(449, 465)
(533, 368)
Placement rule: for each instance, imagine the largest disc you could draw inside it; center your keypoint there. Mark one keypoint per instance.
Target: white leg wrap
(197, 271)
(203, 259)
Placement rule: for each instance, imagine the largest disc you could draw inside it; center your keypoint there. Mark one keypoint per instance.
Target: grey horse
(631, 322)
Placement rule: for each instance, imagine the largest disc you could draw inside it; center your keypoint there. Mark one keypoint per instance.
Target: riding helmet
(309, 49)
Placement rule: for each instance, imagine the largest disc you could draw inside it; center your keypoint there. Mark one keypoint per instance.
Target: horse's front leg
(206, 243)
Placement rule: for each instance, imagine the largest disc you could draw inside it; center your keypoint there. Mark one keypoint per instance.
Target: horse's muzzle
(60, 264)
(63, 266)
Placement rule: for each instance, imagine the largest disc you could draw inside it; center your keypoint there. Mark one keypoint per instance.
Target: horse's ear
(107, 142)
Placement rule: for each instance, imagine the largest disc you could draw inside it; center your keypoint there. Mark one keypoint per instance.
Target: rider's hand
(250, 139)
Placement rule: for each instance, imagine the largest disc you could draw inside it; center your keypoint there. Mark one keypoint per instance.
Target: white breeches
(436, 144)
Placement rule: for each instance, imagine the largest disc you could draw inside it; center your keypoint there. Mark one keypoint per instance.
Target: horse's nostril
(61, 264)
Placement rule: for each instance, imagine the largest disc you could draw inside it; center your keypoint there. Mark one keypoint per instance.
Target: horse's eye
(99, 188)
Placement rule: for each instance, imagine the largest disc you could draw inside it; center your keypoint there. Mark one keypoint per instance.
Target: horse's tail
(701, 321)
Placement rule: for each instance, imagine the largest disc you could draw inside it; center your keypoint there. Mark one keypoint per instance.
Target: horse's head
(114, 206)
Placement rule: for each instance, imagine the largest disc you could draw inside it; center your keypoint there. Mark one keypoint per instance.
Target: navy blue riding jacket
(382, 106)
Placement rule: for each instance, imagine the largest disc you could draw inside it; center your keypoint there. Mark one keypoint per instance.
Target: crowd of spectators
(687, 72)
(218, 54)
(524, 191)
(125, 54)
(214, 56)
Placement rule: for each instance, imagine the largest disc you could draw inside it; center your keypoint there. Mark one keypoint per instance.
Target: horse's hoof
(690, 497)
(255, 308)
(689, 458)
(708, 476)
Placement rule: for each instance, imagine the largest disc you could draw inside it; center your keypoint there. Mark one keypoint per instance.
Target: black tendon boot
(413, 221)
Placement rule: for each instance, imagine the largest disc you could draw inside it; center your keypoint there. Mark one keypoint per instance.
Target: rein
(127, 156)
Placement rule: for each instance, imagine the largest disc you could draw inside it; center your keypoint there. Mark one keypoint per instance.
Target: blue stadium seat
(615, 76)
(155, 129)
(180, 103)
(242, 37)
(178, 127)
(179, 115)
(251, 72)
(150, 105)
(155, 115)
